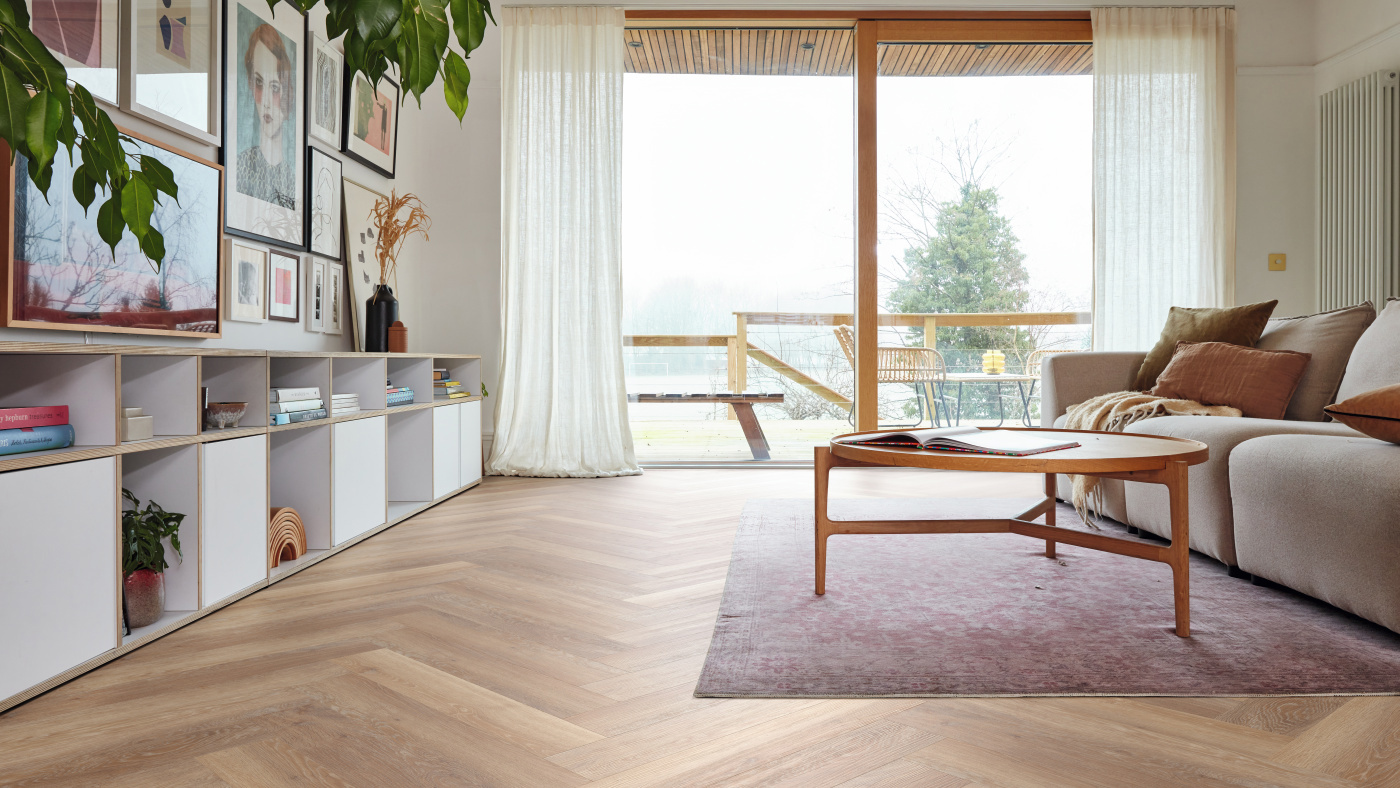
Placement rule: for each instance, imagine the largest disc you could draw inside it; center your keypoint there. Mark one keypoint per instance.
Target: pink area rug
(987, 614)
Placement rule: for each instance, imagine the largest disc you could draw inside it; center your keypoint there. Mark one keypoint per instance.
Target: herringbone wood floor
(549, 633)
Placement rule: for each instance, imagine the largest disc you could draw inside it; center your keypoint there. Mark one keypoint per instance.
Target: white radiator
(1359, 182)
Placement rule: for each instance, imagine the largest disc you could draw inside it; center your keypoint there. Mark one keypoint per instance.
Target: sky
(746, 182)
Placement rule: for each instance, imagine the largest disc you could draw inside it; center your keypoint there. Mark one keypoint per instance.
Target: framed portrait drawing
(324, 70)
(264, 122)
(60, 274)
(173, 79)
(372, 123)
(315, 295)
(335, 298)
(83, 35)
(361, 269)
(247, 282)
(284, 286)
(323, 203)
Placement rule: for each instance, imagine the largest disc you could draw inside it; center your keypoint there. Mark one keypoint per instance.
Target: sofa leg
(1134, 531)
(1235, 571)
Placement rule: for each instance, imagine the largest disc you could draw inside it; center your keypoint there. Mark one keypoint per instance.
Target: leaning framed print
(315, 295)
(82, 34)
(284, 286)
(335, 298)
(324, 69)
(247, 278)
(60, 274)
(372, 122)
(323, 203)
(264, 122)
(173, 79)
(361, 268)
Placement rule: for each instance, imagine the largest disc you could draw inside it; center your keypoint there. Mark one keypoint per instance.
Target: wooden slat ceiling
(830, 52)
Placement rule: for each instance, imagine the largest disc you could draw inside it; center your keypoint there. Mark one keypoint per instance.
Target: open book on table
(1011, 443)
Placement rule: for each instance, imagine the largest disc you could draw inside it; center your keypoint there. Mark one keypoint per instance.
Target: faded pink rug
(987, 614)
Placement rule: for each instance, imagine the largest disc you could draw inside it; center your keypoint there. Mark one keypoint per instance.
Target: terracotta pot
(143, 597)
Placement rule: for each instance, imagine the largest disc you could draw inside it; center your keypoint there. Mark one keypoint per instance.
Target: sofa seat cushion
(1375, 360)
(1328, 337)
(1319, 515)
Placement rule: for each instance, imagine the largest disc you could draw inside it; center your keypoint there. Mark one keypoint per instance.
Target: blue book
(36, 439)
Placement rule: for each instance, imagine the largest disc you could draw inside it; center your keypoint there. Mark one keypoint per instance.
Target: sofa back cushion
(1375, 413)
(1329, 337)
(1375, 361)
(1258, 382)
(1240, 325)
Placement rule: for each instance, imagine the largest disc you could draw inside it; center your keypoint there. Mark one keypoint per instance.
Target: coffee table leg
(1180, 546)
(1050, 515)
(822, 465)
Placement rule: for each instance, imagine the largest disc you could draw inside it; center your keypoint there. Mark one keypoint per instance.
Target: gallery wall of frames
(279, 156)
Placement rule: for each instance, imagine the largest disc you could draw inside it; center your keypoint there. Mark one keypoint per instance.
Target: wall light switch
(1278, 262)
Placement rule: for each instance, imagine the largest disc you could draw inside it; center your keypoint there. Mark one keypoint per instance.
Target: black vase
(381, 310)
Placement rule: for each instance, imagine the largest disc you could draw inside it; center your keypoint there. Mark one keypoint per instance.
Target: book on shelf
(292, 395)
(1010, 443)
(343, 411)
(22, 418)
(447, 383)
(23, 439)
(278, 419)
(344, 397)
(454, 395)
(294, 406)
(306, 415)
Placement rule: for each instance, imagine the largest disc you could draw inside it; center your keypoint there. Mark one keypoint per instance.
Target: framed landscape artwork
(315, 295)
(372, 123)
(61, 274)
(361, 270)
(323, 204)
(247, 282)
(323, 80)
(173, 79)
(264, 124)
(284, 286)
(335, 298)
(83, 35)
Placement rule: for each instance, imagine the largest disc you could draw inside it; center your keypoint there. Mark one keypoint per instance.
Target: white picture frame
(335, 298)
(172, 43)
(247, 282)
(315, 295)
(325, 72)
(323, 222)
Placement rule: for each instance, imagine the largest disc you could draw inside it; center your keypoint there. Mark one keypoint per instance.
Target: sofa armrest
(1071, 378)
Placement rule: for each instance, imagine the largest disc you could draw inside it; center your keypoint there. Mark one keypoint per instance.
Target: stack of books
(344, 403)
(34, 429)
(399, 395)
(446, 388)
(289, 406)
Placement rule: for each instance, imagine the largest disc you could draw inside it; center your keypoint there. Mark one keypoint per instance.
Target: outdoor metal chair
(920, 367)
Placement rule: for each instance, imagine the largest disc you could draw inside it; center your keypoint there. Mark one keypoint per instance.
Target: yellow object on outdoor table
(994, 362)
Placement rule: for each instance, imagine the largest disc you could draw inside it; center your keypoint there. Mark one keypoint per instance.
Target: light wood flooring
(545, 633)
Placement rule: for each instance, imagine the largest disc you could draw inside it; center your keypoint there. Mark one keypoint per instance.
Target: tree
(39, 110)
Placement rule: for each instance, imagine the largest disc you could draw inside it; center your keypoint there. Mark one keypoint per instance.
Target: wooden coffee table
(1108, 455)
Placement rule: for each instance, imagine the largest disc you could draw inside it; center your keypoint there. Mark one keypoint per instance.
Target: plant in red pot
(143, 558)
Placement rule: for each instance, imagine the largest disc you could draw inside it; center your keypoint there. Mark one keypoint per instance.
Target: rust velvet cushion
(1240, 325)
(1258, 382)
(1375, 413)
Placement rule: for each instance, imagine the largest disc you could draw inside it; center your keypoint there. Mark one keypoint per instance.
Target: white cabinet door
(233, 516)
(447, 452)
(358, 484)
(471, 442)
(59, 528)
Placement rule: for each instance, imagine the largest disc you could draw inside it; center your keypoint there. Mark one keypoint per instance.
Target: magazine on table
(1010, 443)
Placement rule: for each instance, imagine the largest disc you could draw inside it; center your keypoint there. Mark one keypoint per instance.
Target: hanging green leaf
(456, 77)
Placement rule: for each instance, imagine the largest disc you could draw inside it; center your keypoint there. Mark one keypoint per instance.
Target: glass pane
(173, 62)
(82, 34)
(737, 217)
(985, 177)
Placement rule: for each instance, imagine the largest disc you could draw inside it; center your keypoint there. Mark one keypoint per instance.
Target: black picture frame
(347, 124)
(229, 130)
(336, 222)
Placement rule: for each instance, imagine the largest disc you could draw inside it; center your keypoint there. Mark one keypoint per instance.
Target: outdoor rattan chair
(920, 367)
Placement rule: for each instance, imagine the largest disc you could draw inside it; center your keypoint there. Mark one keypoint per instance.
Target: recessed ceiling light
(634, 43)
(808, 45)
(982, 46)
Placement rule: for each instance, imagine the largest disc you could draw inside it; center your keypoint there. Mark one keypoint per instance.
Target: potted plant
(143, 558)
(396, 218)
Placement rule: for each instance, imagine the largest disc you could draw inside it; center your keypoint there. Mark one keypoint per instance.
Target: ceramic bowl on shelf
(222, 415)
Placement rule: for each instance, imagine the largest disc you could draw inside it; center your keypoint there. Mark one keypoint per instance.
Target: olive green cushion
(1239, 325)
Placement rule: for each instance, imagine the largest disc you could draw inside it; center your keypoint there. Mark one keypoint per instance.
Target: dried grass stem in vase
(397, 218)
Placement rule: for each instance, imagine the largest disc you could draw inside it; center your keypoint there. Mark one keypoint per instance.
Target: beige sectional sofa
(1312, 505)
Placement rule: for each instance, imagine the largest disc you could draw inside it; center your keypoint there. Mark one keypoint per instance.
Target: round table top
(1098, 452)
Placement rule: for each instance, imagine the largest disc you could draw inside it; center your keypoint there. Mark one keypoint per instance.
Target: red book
(28, 418)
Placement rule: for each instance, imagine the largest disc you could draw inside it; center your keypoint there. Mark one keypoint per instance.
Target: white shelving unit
(348, 477)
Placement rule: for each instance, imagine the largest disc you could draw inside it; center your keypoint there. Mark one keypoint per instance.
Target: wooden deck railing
(738, 366)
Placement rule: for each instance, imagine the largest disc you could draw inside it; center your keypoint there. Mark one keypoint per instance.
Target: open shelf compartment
(410, 465)
(301, 372)
(237, 379)
(301, 478)
(166, 388)
(170, 478)
(87, 384)
(363, 377)
(415, 373)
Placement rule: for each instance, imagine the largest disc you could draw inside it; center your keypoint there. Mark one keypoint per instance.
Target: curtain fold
(561, 405)
(1164, 168)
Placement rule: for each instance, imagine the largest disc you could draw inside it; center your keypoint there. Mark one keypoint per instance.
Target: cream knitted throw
(1113, 413)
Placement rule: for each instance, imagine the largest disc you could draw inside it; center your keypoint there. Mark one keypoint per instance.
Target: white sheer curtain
(561, 405)
(1164, 168)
